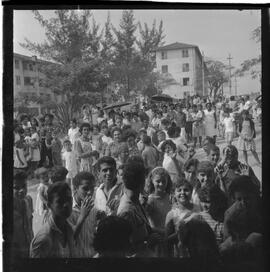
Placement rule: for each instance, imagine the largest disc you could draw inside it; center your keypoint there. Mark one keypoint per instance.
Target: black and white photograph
(137, 133)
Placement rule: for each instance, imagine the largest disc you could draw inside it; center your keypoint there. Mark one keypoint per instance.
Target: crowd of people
(146, 182)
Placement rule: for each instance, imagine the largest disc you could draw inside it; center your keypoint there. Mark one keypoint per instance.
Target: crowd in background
(150, 181)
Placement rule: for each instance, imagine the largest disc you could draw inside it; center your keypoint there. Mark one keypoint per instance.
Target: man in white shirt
(109, 192)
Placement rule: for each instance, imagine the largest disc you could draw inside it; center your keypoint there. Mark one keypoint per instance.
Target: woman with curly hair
(129, 136)
(112, 148)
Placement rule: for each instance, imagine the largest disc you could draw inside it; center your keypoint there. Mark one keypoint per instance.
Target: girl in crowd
(129, 137)
(112, 148)
(210, 121)
(190, 170)
(182, 209)
(247, 134)
(20, 152)
(73, 132)
(197, 125)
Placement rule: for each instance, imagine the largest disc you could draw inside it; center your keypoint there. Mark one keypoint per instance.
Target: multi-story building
(183, 70)
(28, 81)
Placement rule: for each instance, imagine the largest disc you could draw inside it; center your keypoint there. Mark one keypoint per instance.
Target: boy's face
(68, 146)
(85, 189)
(183, 195)
(203, 178)
(142, 135)
(118, 122)
(244, 199)
(161, 137)
(160, 183)
(61, 205)
(44, 177)
(120, 175)
(19, 189)
(205, 205)
(73, 125)
(107, 173)
(190, 171)
(168, 149)
(214, 156)
(123, 156)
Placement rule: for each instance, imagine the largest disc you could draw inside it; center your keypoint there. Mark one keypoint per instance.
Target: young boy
(22, 216)
(214, 154)
(149, 154)
(228, 122)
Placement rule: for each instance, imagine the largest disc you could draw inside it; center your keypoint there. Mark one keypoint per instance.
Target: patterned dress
(84, 146)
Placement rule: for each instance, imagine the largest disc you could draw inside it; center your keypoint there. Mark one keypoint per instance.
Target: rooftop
(175, 46)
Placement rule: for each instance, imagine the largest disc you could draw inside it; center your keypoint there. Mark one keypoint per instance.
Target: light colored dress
(85, 146)
(36, 150)
(245, 145)
(209, 123)
(197, 126)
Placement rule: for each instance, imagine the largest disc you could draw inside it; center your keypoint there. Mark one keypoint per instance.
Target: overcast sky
(216, 32)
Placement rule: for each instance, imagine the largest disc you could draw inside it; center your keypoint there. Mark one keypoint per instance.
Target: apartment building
(29, 80)
(183, 70)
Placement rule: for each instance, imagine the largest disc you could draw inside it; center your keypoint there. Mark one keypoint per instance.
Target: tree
(216, 76)
(74, 47)
(252, 66)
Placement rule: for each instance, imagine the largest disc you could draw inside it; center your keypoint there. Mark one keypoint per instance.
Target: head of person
(214, 201)
(118, 121)
(199, 107)
(112, 237)
(142, 133)
(86, 109)
(194, 108)
(120, 171)
(135, 159)
(95, 129)
(198, 237)
(48, 118)
(42, 174)
(168, 147)
(134, 177)
(58, 174)
(129, 137)
(245, 114)
(145, 121)
(245, 192)
(190, 169)
(19, 184)
(214, 154)
(147, 140)
(179, 108)
(123, 152)
(107, 170)
(104, 129)
(60, 200)
(73, 123)
(67, 145)
(116, 134)
(33, 130)
(182, 192)
(24, 119)
(171, 132)
(231, 152)
(34, 122)
(84, 184)
(207, 142)
(54, 134)
(165, 123)
(158, 181)
(85, 129)
(205, 173)
(161, 136)
(191, 151)
(27, 132)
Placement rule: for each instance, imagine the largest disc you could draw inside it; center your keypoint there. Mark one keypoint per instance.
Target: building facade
(28, 81)
(183, 71)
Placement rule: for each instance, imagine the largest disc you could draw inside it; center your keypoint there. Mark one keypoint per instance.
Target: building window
(185, 67)
(164, 55)
(31, 67)
(17, 64)
(25, 66)
(18, 80)
(185, 53)
(27, 81)
(186, 81)
(164, 69)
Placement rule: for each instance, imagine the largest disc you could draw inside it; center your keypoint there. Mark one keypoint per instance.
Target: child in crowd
(20, 152)
(149, 154)
(190, 170)
(123, 154)
(213, 204)
(182, 210)
(73, 132)
(228, 122)
(214, 155)
(56, 149)
(84, 217)
(96, 139)
(142, 134)
(48, 147)
(22, 216)
(205, 175)
(70, 162)
(190, 153)
(55, 239)
(42, 199)
(158, 187)
(35, 150)
(120, 172)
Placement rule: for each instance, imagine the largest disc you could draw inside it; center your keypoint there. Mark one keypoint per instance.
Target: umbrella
(116, 105)
(162, 97)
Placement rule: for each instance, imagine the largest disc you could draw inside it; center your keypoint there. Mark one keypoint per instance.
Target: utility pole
(235, 81)
(230, 82)
(203, 74)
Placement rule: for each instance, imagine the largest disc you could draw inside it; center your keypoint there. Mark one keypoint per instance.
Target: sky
(216, 32)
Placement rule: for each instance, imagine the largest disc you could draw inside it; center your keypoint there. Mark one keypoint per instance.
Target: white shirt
(106, 139)
(228, 123)
(247, 105)
(73, 134)
(70, 163)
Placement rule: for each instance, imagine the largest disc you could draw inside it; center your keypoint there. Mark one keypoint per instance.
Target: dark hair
(243, 184)
(171, 131)
(147, 140)
(116, 129)
(135, 159)
(66, 141)
(84, 125)
(74, 120)
(165, 121)
(19, 175)
(191, 162)
(24, 116)
(181, 183)
(83, 176)
(134, 175)
(59, 173)
(210, 140)
(20, 130)
(149, 186)
(168, 142)
(214, 148)
(129, 133)
(122, 147)
(106, 159)
(217, 198)
(59, 188)
(113, 234)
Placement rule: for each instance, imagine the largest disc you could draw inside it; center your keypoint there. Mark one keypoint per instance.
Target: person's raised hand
(86, 206)
(244, 170)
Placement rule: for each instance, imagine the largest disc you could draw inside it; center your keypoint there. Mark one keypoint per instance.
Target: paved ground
(258, 171)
